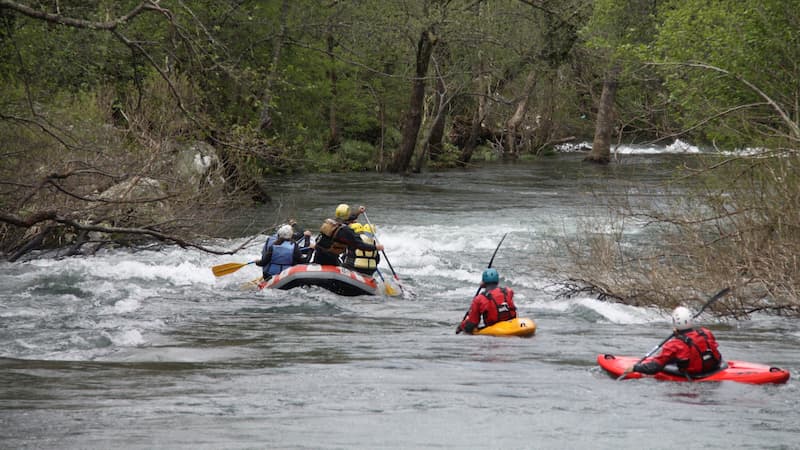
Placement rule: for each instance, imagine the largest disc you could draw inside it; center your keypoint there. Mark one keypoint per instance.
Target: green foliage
(220, 62)
(755, 40)
(352, 156)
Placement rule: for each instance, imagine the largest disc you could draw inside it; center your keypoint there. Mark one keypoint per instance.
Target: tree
(615, 28)
(427, 40)
(756, 41)
(730, 70)
(69, 181)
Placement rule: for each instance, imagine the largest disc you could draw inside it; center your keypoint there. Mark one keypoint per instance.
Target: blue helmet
(490, 276)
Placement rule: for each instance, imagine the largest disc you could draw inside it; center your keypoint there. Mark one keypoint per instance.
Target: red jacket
(694, 351)
(492, 306)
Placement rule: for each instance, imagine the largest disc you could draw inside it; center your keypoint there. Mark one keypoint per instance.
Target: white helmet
(285, 232)
(682, 318)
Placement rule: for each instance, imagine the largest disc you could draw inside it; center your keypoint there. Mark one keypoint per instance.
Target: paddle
(252, 283)
(386, 258)
(713, 299)
(488, 267)
(228, 268)
(390, 290)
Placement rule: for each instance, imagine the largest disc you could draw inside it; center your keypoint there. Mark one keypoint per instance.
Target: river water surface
(149, 350)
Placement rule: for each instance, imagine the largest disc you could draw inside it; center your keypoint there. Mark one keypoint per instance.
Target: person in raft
(693, 349)
(336, 237)
(363, 261)
(297, 235)
(494, 304)
(280, 252)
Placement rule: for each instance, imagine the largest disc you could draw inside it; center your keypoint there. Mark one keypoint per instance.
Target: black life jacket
(364, 261)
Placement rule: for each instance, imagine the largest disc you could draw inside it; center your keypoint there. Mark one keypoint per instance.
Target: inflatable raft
(336, 279)
(522, 327)
(739, 371)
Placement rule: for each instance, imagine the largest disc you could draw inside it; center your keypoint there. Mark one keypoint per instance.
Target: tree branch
(795, 129)
(45, 216)
(80, 23)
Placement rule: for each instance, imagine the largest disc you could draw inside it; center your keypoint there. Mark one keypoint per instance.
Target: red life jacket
(503, 308)
(703, 356)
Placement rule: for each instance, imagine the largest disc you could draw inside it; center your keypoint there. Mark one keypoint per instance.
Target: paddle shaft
(491, 261)
(713, 299)
(366, 217)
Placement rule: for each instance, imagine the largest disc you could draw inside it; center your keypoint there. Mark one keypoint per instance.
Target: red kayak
(336, 279)
(739, 371)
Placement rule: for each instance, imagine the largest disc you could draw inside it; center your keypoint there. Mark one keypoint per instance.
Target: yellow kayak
(519, 326)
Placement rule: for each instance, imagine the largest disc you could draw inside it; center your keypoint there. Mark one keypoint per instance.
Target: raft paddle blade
(252, 284)
(228, 268)
(390, 290)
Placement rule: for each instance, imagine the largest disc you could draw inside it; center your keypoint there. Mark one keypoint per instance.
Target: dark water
(149, 350)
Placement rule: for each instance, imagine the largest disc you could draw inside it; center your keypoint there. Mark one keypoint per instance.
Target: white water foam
(677, 147)
(617, 313)
(127, 338)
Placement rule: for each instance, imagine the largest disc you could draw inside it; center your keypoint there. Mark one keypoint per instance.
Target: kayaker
(280, 252)
(363, 261)
(336, 237)
(692, 349)
(494, 304)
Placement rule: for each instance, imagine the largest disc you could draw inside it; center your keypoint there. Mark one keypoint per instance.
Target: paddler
(363, 261)
(494, 304)
(692, 349)
(336, 237)
(280, 252)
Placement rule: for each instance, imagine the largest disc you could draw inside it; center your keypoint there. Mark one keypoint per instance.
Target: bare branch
(80, 23)
(45, 216)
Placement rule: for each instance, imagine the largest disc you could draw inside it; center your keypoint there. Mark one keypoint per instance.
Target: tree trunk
(474, 132)
(512, 133)
(382, 145)
(265, 123)
(601, 145)
(435, 146)
(334, 140)
(477, 119)
(432, 143)
(413, 119)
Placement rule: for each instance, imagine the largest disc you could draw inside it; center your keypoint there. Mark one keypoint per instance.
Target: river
(150, 350)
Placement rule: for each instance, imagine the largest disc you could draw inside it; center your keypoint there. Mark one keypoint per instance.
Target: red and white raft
(339, 280)
(739, 371)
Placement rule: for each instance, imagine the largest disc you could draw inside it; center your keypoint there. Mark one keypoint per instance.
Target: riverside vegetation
(134, 122)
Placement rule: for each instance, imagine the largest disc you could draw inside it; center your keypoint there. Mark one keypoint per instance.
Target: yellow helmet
(357, 227)
(343, 211)
(367, 228)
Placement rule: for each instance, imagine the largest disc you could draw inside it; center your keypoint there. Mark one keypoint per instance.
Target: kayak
(339, 280)
(739, 371)
(517, 326)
